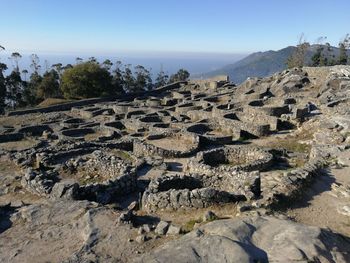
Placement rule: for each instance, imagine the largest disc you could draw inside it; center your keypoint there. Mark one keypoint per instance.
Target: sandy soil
(172, 144)
(323, 203)
(19, 145)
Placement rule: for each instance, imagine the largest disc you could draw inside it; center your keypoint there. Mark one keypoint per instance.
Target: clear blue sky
(226, 26)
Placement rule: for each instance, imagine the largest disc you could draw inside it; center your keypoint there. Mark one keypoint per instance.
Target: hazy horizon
(195, 62)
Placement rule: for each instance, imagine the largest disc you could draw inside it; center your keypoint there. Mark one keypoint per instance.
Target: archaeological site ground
(196, 171)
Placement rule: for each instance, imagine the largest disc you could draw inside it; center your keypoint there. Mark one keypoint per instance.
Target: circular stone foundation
(171, 145)
(180, 191)
(211, 134)
(96, 175)
(230, 158)
(89, 134)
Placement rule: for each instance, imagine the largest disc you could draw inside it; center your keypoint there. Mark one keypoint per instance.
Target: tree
(107, 64)
(25, 72)
(30, 91)
(35, 66)
(15, 57)
(343, 46)
(3, 67)
(181, 75)
(78, 60)
(47, 65)
(297, 59)
(318, 59)
(49, 86)
(86, 80)
(59, 69)
(68, 66)
(93, 59)
(118, 80)
(143, 79)
(162, 79)
(129, 80)
(14, 88)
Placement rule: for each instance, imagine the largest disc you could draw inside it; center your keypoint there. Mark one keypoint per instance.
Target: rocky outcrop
(259, 239)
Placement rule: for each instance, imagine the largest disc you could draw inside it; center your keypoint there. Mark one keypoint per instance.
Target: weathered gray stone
(173, 230)
(259, 239)
(162, 228)
(141, 239)
(64, 190)
(209, 216)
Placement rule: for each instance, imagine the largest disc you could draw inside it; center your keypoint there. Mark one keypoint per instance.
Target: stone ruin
(95, 151)
(189, 145)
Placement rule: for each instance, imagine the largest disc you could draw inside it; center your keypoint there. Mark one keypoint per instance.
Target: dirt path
(326, 203)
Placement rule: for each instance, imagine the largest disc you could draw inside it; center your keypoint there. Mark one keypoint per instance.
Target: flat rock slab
(258, 239)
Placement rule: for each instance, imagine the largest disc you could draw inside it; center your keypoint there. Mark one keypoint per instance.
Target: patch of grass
(299, 162)
(291, 144)
(53, 101)
(124, 155)
(24, 144)
(242, 139)
(91, 180)
(346, 135)
(93, 136)
(189, 225)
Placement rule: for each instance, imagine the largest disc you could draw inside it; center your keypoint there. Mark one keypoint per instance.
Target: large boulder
(259, 239)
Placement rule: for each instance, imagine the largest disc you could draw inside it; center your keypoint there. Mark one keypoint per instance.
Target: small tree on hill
(49, 86)
(15, 57)
(297, 59)
(143, 80)
(128, 79)
(35, 66)
(181, 75)
(14, 88)
(30, 91)
(319, 58)
(3, 67)
(118, 79)
(343, 47)
(162, 79)
(107, 64)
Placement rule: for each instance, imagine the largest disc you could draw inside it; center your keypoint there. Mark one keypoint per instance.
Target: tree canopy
(181, 75)
(86, 80)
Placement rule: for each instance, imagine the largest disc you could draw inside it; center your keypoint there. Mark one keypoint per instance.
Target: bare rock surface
(66, 231)
(123, 180)
(259, 239)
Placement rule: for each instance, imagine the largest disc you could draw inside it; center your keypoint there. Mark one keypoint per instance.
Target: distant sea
(195, 63)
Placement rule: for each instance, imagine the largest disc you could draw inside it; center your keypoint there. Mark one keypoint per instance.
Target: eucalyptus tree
(15, 57)
(129, 79)
(180, 75)
(143, 80)
(343, 48)
(3, 67)
(162, 78)
(118, 77)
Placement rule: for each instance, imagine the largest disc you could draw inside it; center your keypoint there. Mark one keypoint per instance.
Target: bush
(86, 80)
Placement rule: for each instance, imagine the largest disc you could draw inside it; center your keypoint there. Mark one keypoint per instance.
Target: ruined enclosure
(97, 150)
(181, 149)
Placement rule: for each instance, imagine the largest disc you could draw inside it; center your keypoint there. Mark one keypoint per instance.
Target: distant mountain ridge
(262, 64)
